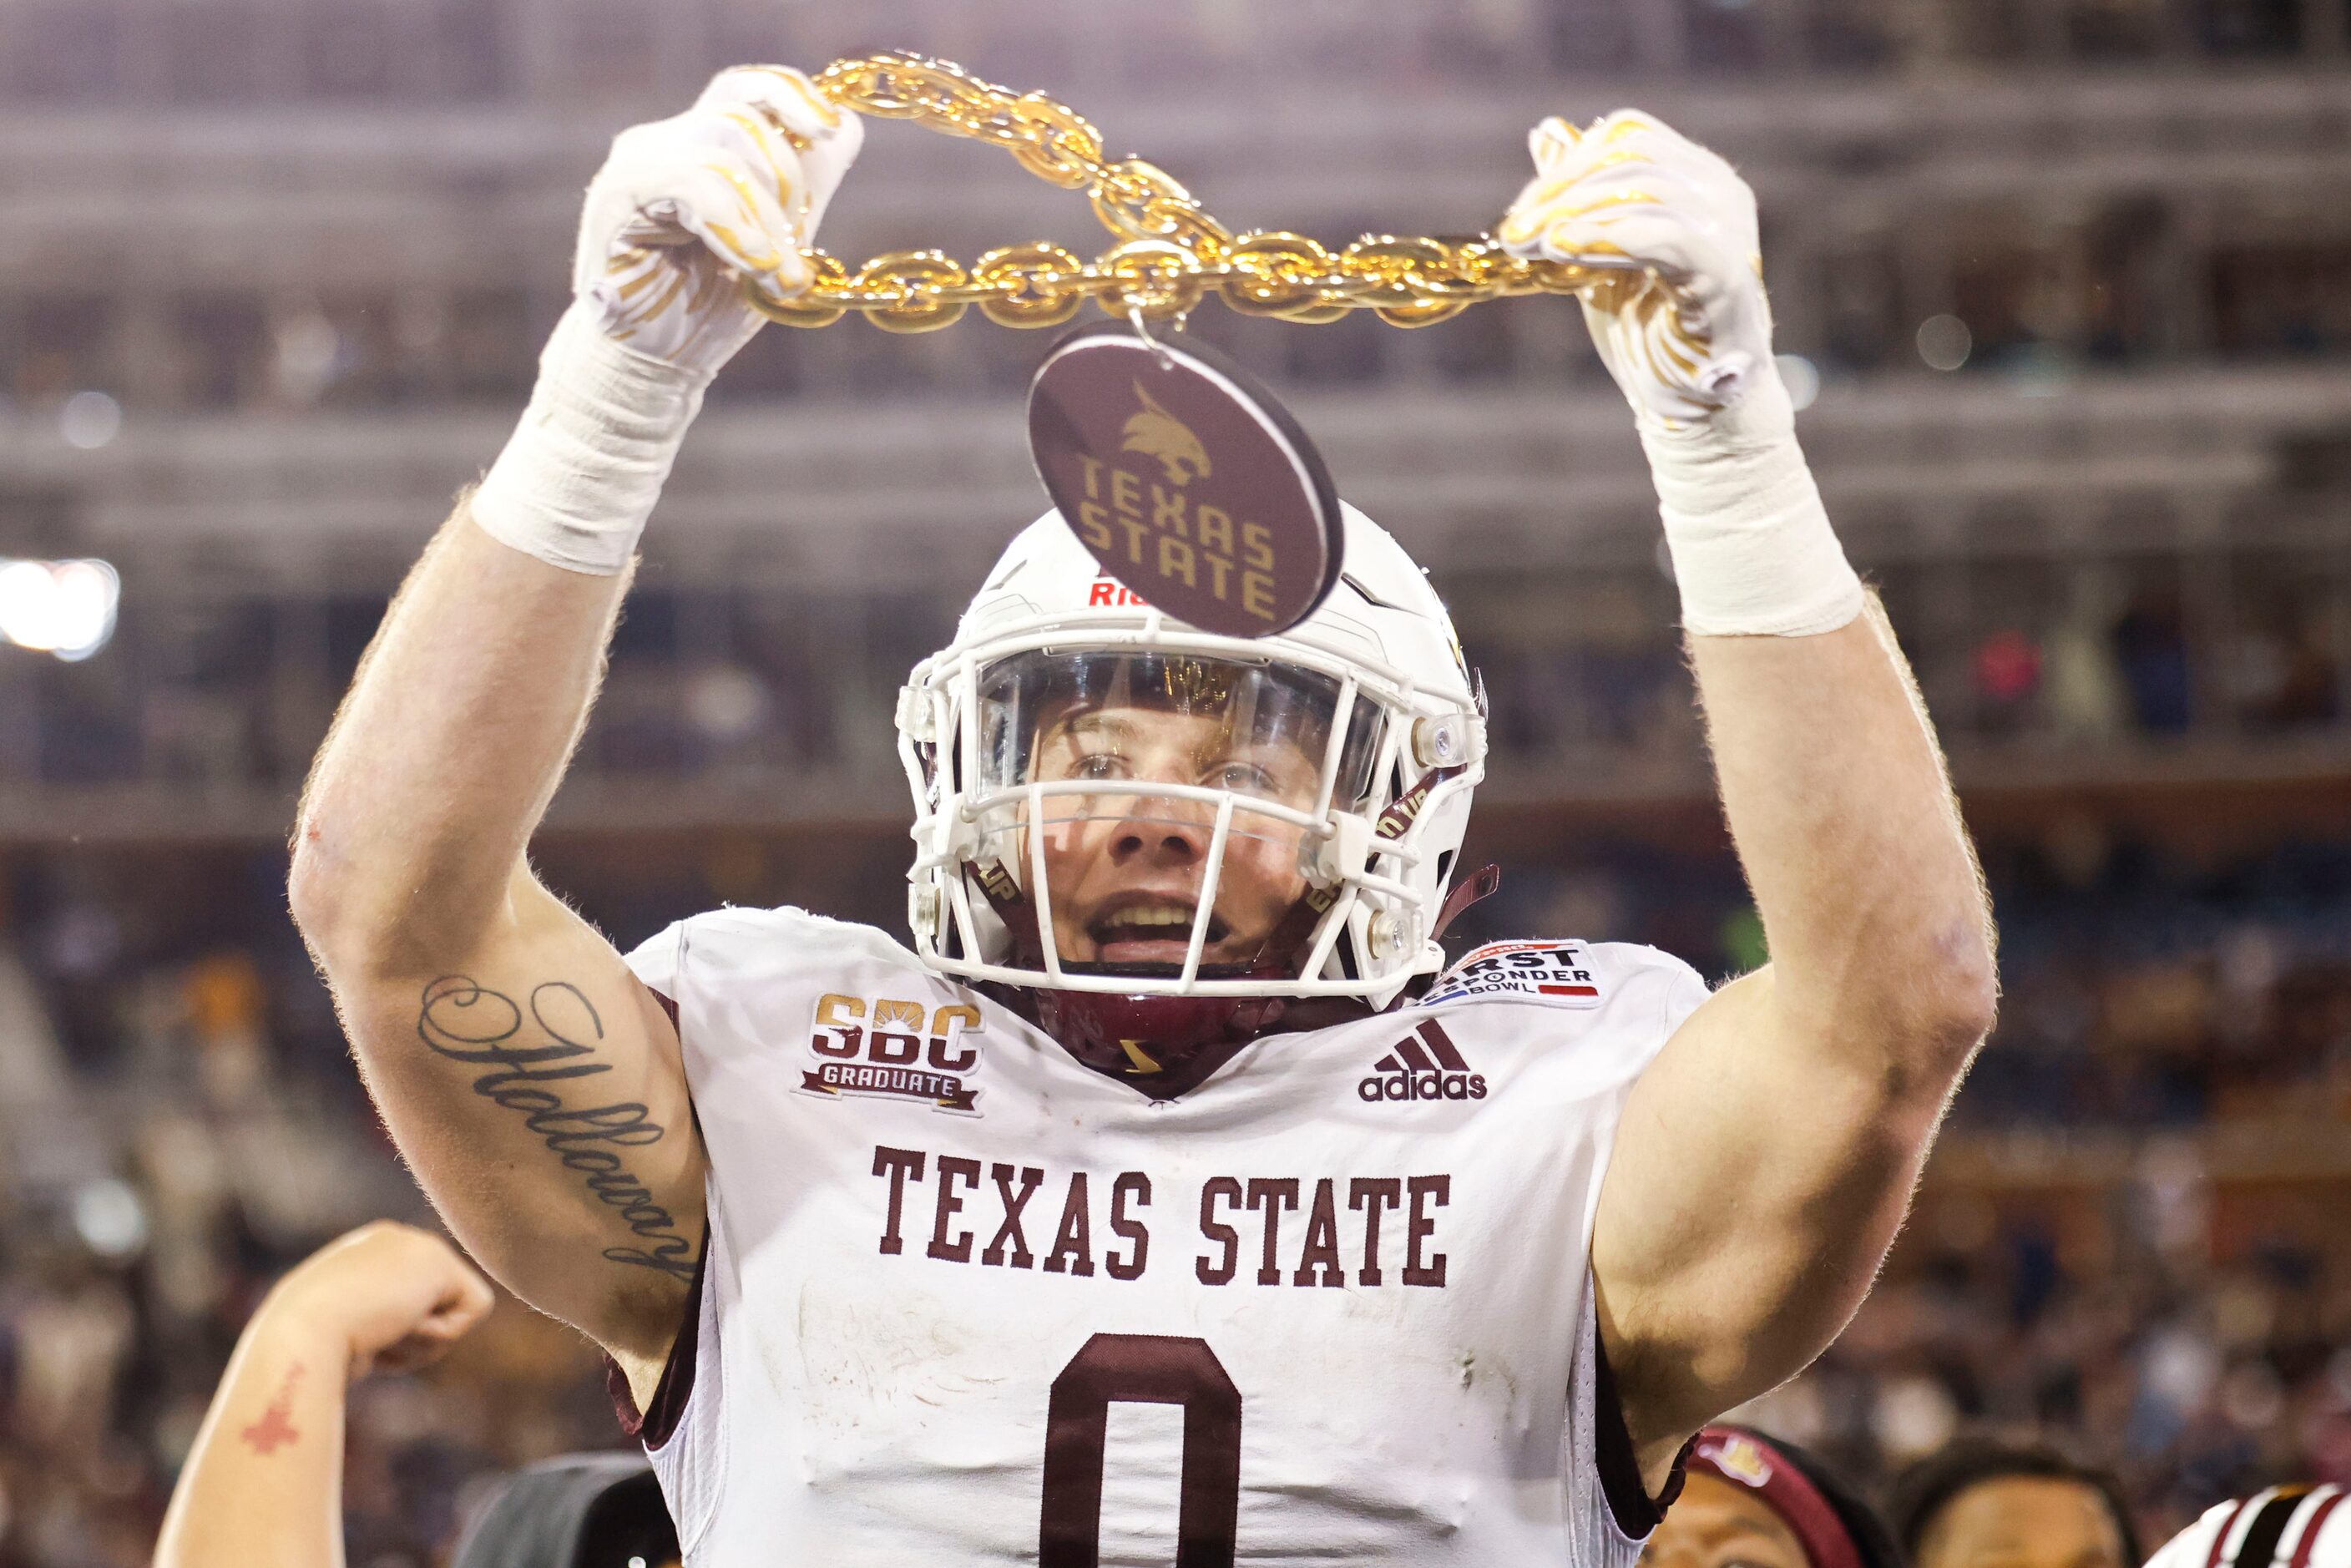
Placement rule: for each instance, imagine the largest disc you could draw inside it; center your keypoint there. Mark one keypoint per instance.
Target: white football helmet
(1372, 687)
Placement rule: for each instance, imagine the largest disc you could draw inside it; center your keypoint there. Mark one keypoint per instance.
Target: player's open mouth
(1150, 931)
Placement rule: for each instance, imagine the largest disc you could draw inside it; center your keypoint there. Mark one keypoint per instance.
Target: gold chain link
(1170, 251)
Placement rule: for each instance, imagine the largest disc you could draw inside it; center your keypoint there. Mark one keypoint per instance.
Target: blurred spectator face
(2023, 1521)
(1714, 1525)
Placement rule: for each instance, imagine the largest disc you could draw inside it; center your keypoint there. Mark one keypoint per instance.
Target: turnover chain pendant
(1170, 253)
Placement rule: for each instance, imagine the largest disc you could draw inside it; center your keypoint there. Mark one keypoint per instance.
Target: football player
(1169, 1197)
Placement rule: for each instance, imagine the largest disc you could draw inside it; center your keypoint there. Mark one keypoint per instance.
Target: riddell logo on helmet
(1109, 593)
(1427, 1065)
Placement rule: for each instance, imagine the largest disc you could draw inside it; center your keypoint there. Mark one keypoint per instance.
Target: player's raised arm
(532, 1084)
(1766, 1159)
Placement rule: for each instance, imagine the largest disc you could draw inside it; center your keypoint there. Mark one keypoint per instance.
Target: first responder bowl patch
(1560, 972)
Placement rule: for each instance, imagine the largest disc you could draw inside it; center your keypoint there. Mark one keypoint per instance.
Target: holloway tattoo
(469, 1023)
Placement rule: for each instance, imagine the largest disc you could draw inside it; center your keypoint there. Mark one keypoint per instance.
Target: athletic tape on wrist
(584, 469)
(1753, 549)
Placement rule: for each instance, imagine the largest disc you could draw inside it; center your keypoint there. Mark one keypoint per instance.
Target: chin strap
(1276, 960)
(1484, 885)
(1163, 1046)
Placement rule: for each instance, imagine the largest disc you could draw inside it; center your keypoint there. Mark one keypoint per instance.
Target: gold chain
(1170, 253)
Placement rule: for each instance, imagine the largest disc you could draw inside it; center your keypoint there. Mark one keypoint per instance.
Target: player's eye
(1099, 765)
(1247, 778)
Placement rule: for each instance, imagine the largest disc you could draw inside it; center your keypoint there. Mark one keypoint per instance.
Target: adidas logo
(1424, 1065)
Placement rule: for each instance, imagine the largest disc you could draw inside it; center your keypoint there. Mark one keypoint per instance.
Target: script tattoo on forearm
(467, 1022)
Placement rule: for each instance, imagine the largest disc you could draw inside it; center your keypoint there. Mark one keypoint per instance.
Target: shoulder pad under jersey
(744, 945)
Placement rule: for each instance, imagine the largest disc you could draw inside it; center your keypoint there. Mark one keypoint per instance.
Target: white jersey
(967, 1301)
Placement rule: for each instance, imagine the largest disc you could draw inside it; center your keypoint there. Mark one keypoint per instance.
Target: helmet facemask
(1275, 794)
(1156, 817)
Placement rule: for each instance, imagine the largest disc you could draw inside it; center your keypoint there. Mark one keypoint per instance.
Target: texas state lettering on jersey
(1322, 1251)
(966, 1302)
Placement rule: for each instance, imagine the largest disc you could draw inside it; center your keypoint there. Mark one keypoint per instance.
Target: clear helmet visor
(1171, 798)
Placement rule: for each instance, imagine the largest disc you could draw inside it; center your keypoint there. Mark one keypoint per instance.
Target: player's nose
(1164, 833)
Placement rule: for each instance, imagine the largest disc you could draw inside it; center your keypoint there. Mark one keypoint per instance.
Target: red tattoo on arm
(275, 1430)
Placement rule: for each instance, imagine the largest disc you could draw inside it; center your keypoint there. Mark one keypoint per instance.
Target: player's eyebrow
(1260, 748)
(1095, 724)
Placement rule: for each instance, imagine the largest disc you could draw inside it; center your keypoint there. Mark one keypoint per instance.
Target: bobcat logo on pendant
(1160, 436)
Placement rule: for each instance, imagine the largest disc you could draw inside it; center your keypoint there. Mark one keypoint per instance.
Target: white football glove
(683, 212)
(1684, 326)
(1688, 330)
(685, 208)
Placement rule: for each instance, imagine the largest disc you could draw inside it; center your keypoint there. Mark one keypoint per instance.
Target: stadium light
(109, 1218)
(1945, 342)
(89, 420)
(65, 608)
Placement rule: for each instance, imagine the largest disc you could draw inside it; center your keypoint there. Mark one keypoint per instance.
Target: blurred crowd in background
(2034, 290)
(768, 685)
(359, 52)
(2007, 280)
(2130, 1242)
